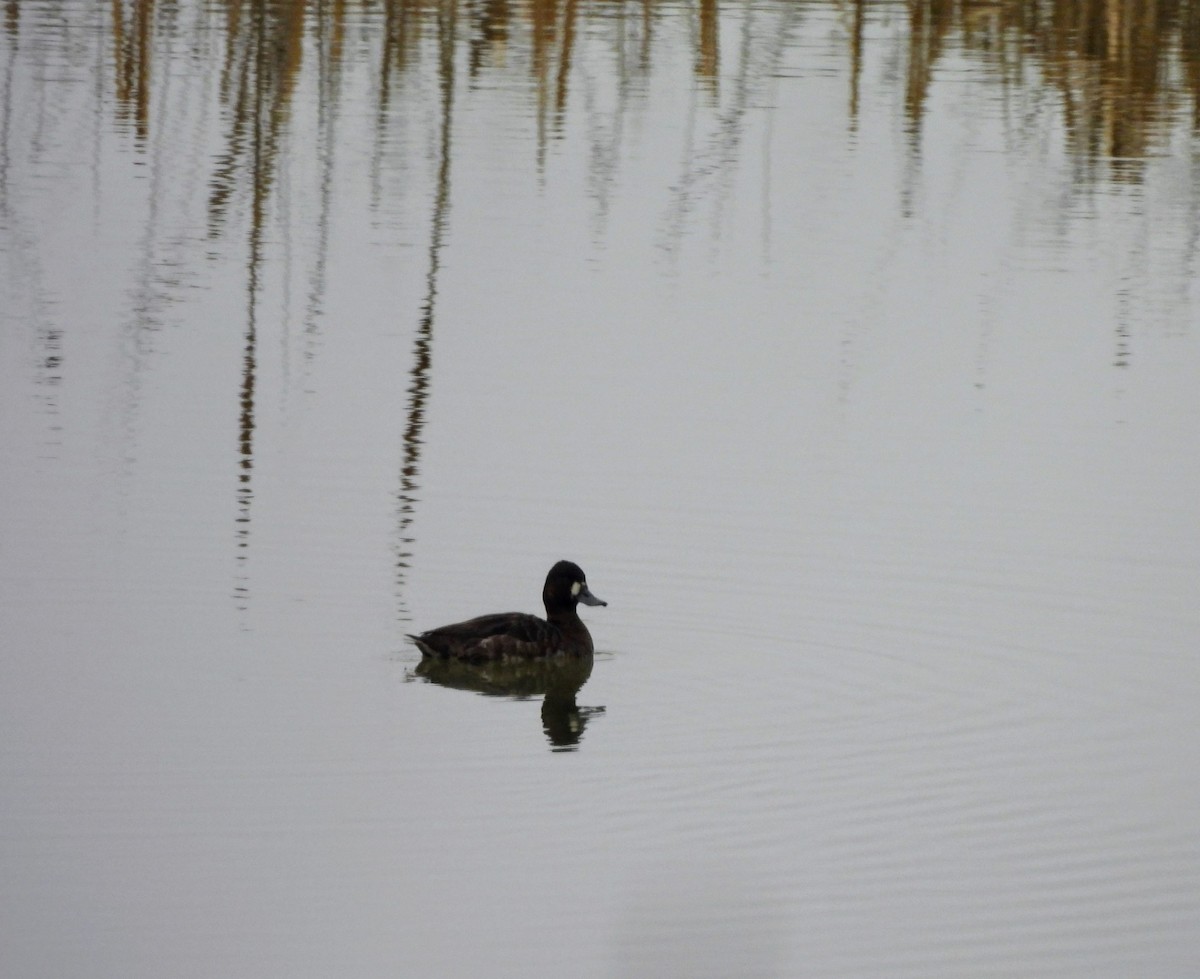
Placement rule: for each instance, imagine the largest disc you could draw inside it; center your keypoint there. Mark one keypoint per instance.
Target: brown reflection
(1123, 71)
(1122, 68)
(570, 14)
(1109, 61)
(263, 47)
(132, 37)
(489, 34)
(552, 31)
(558, 681)
(1189, 22)
(1112, 63)
(707, 60)
(930, 22)
(859, 16)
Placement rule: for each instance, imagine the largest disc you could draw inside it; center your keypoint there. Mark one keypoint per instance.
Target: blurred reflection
(263, 56)
(209, 95)
(131, 42)
(1113, 63)
(558, 681)
(1120, 68)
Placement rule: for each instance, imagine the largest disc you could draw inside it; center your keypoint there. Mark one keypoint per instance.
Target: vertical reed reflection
(1125, 76)
(491, 32)
(543, 16)
(856, 60)
(708, 168)
(418, 389)
(570, 13)
(330, 33)
(262, 63)
(400, 35)
(1124, 69)
(132, 46)
(1190, 56)
(245, 489)
(929, 24)
(708, 66)
(1109, 61)
(6, 90)
(260, 76)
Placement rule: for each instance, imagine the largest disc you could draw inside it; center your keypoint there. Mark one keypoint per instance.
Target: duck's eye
(575, 588)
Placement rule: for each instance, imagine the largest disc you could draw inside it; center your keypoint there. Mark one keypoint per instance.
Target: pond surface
(853, 351)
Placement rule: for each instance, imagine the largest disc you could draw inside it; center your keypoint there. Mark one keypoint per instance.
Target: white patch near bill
(576, 588)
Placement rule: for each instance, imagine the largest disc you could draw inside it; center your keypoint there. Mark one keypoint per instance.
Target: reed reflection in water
(853, 343)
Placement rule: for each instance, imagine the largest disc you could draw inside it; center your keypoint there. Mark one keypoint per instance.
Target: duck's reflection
(557, 680)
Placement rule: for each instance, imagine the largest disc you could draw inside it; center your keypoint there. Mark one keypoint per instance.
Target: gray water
(853, 350)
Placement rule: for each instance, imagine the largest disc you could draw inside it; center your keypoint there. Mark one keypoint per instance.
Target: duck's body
(518, 635)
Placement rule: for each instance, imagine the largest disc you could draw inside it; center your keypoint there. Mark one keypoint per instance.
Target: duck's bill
(588, 598)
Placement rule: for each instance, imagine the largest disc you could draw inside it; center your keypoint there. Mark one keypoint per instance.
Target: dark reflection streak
(120, 75)
(98, 116)
(1134, 283)
(1190, 48)
(24, 257)
(329, 42)
(856, 60)
(246, 419)
(926, 23)
(564, 64)
(148, 304)
(647, 35)
(542, 15)
(418, 389)
(6, 115)
(235, 77)
(147, 298)
(399, 34)
(708, 65)
(1121, 354)
(732, 120)
(382, 103)
(145, 37)
(491, 33)
(132, 48)
(929, 22)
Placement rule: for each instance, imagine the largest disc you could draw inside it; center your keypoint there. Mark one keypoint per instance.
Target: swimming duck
(516, 634)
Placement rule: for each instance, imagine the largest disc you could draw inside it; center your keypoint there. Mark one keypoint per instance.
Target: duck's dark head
(566, 587)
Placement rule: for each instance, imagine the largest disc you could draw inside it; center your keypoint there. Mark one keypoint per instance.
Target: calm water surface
(852, 349)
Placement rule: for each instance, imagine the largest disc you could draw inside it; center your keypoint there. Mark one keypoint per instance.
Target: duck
(518, 635)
